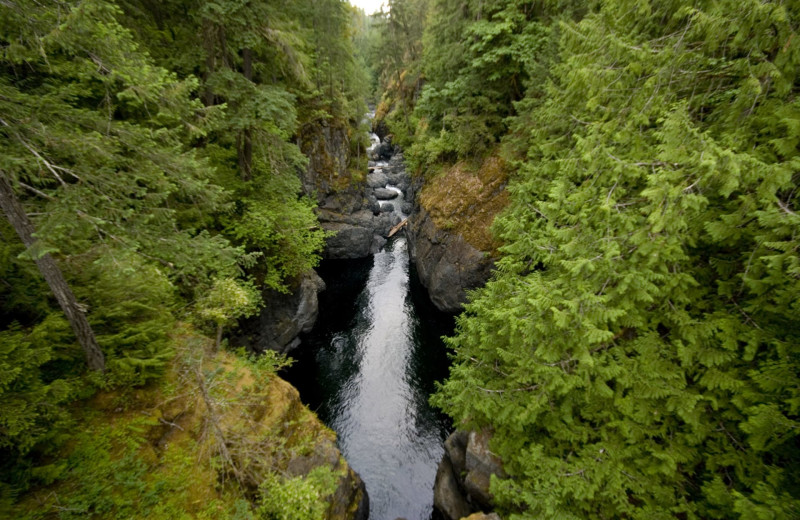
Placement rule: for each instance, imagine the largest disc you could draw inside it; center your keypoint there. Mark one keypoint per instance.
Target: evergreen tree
(92, 135)
(636, 352)
(146, 162)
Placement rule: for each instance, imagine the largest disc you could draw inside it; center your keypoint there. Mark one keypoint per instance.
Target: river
(368, 368)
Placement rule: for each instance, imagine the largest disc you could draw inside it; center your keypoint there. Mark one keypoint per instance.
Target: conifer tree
(92, 148)
(636, 352)
(75, 314)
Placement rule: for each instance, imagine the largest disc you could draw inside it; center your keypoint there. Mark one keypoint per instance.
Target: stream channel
(368, 368)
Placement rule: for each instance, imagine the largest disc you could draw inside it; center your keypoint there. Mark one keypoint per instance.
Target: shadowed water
(369, 367)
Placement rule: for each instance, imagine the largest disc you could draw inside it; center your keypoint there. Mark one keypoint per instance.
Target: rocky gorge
(359, 212)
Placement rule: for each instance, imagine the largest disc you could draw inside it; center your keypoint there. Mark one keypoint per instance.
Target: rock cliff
(284, 316)
(263, 425)
(344, 192)
(449, 235)
(210, 439)
(447, 264)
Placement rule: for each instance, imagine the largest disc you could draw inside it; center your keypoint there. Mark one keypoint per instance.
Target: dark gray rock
(380, 128)
(456, 448)
(377, 244)
(447, 496)
(348, 208)
(448, 266)
(385, 194)
(387, 207)
(383, 151)
(357, 235)
(348, 200)
(472, 464)
(403, 183)
(372, 203)
(407, 208)
(378, 179)
(284, 317)
(350, 241)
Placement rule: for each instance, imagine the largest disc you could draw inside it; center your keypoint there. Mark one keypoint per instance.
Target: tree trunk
(245, 144)
(218, 341)
(52, 274)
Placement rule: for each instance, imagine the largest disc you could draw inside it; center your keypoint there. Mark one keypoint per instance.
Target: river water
(368, 368)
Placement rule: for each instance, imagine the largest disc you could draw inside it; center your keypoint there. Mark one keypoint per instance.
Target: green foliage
(112, 472)
(466, 65)
(227, 300)
(636, 352)
(153, 146)
(297, 498)
(30, 411)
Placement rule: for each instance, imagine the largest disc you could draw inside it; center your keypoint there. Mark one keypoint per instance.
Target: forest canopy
(149, 173)
(636, 353)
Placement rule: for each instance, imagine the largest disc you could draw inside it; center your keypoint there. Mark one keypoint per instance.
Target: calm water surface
(368, 369)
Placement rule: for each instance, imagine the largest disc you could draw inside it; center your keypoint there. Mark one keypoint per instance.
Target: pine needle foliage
(637, 351)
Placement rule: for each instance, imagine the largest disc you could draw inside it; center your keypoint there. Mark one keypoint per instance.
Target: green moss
(465, 199)
(156, 451)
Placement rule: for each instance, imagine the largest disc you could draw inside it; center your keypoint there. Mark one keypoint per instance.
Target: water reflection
(371, 378)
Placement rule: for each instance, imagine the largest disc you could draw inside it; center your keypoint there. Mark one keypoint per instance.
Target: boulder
(373, 204)
(478, 456)
(476, 486)
(400, 182)
(447, 497)
(356, 235)
(377, 244)
(448, 266)
(377, 179)
(383, 151)
(349, 241)
(481, 464)
(456, 448)
(380, 128)
(347, 200)
(387, 207)
(385, 194)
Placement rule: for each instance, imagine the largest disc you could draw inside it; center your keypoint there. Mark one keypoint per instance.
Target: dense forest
(636, 353)
(149, 180)
(637, 350)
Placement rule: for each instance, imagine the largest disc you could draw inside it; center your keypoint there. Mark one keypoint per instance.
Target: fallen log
(397, 227)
